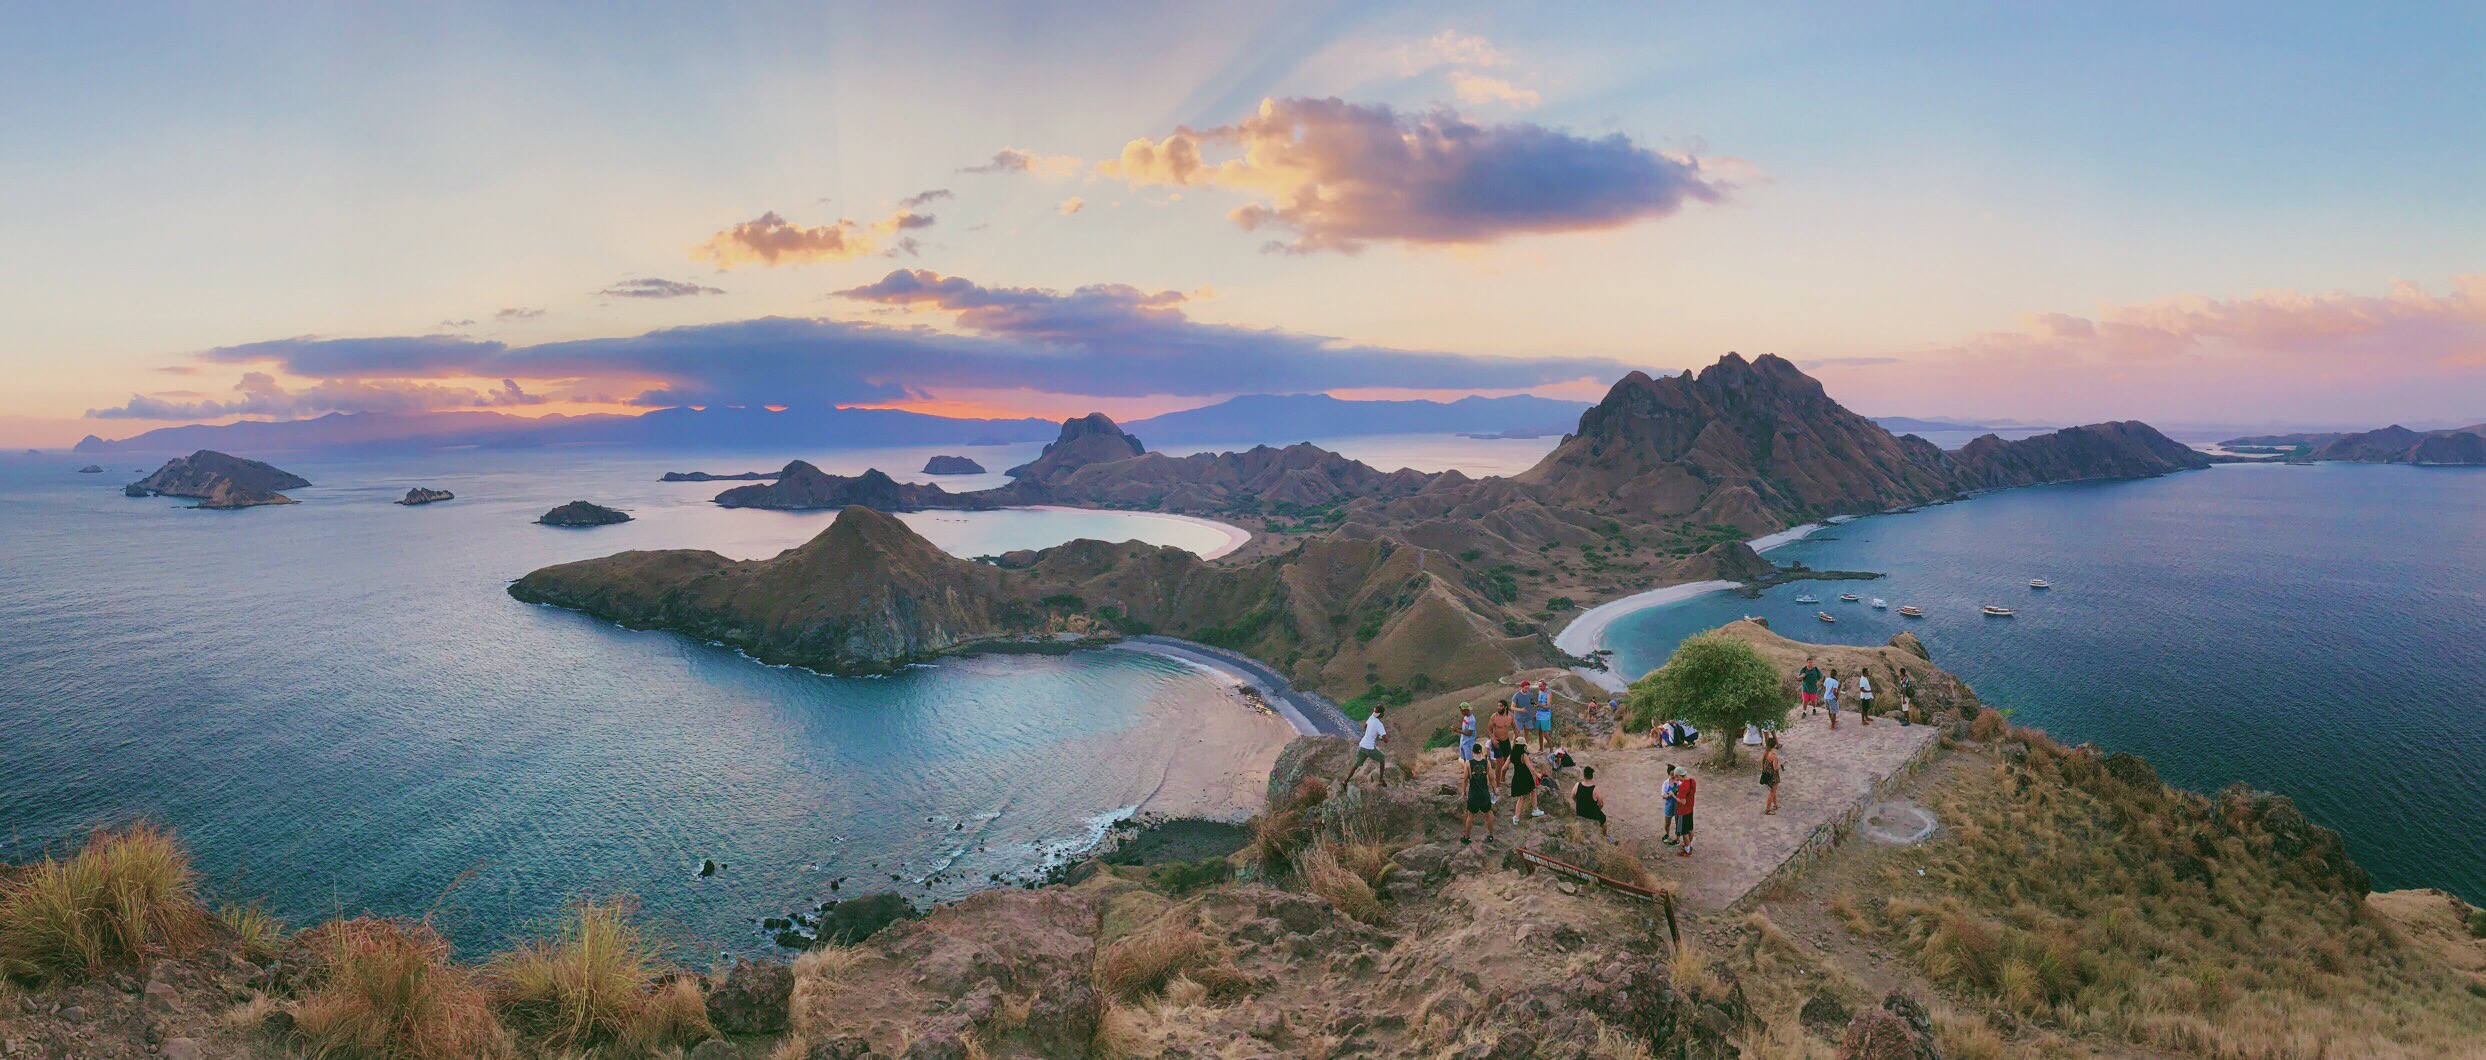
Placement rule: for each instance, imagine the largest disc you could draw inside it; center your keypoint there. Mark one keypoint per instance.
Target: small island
(91, 469)
(952, 465)
(219, 481)
(420, 495)
(703, 476)
(583, 513)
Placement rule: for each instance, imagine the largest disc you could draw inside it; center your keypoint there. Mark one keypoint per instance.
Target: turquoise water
(340, 709)
(2314, 631)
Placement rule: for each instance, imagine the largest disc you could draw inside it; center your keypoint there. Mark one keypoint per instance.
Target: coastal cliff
(219, 480)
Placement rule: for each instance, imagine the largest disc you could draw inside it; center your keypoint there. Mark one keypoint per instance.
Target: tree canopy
(1715, 681)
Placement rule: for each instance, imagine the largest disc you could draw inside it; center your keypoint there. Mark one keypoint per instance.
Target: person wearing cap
(1467, 732)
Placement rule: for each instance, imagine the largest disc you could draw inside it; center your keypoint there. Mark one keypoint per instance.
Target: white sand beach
(1587, 633)
(1236, 537)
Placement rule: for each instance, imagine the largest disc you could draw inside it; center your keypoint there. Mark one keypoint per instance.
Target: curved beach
(1586, 634)
(1236, 537)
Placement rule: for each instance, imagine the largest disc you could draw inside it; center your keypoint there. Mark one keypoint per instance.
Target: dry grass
(1988, 726)
(128, 895)
(1691, 968)
(1148, 961)
(2080, 894)
(250, 1015)
(1119, 1034)
(1324, 874)
(260, 935)
(1281, 832)
(385, 990)
(595, 982)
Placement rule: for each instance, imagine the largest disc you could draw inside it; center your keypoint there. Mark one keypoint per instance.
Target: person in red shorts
(1684, 787)
(1810, 680)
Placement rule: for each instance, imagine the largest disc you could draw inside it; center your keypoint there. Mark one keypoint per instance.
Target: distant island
(218, 480)
(91, 469)
(583, 513)
(2457, 447)
(952, 465)
(703, 476)
(420, 495)
(801, 486)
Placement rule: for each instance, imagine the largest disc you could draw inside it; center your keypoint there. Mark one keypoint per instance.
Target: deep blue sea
(340, 709)
(2315, 631)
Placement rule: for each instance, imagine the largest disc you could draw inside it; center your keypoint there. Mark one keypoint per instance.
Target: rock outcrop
(420, 495)
(952, 465)
(218, 480)
(803, 487)
(583, 513)
(1089, 439)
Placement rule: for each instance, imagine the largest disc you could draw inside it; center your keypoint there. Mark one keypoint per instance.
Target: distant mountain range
(1913, 425)
(2462, 446)
(1252, 418)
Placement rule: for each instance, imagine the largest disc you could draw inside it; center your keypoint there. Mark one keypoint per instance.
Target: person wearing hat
(1467, 732)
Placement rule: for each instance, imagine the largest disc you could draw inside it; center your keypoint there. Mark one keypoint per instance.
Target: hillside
(2124, 449)
(1278, 419)
(801, 486)
(2399, 445)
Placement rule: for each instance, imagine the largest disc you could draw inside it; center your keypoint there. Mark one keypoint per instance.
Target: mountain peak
(1090, 439)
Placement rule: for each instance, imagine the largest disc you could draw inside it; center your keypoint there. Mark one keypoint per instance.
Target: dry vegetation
(2074, 892)
(386, 990)
(128, 896)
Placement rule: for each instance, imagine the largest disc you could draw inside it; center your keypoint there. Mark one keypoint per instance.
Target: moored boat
(1824, 616)
(2000, 612)
(1849, 597)
(2040, 583)
(1808, 598)
(1911, 611)
(1878, 605)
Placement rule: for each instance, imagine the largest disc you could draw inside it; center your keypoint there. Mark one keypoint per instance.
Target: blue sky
(2213, 202)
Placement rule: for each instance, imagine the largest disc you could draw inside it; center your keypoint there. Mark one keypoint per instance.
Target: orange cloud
(1338, 175)
(770, 239)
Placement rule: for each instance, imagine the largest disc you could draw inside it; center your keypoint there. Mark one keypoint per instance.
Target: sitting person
(1680, 733)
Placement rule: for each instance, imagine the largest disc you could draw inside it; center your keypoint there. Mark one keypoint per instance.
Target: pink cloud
(2275, 356)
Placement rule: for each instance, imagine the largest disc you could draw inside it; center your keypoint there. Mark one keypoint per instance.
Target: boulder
(1898, 1030)
(752, 997)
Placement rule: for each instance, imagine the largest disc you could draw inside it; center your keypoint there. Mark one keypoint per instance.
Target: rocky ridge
(801, 486)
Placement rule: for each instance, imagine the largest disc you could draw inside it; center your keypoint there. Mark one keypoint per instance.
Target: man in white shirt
(1375, 734)
(1864, 696)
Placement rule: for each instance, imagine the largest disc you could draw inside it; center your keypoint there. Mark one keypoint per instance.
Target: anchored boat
(1878, 605)
(1849, 597)
(1824, 616)
(1911, 611)
(1808, 598)
(2000, 612)
(2040, 583)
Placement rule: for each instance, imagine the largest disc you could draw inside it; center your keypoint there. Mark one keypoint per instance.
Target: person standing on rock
(1810, 680)
(1830, 698)
(1375, 734)
(1500, 730)
(1769, 771)
(1524, 781)
(1864, 694)
(1685, 788)
(1467, 733)
(1479, 798)
(1589, 805)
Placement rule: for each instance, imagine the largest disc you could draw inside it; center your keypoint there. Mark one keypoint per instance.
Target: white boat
(1808, 598)
(1878, 605)
(2000, 612)
(2039, 583)
(1849, 597)
(1911, 611)
(1824, 616)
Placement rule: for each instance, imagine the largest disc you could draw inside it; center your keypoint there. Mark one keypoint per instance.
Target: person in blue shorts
(1544, 708)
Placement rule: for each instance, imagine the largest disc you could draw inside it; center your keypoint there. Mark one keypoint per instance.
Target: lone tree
(1719, 684)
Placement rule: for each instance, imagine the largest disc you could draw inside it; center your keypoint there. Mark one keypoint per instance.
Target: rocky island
(420, 495)
(952, 465)
(703, 476)
(91, 469)
(2457, 447)
(583, 513)
(218, 481)
(801, 486)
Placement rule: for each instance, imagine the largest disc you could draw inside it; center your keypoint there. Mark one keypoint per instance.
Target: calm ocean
(340, 709)
(2315, 631)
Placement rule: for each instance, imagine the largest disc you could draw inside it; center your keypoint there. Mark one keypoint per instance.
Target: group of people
(1818, 693)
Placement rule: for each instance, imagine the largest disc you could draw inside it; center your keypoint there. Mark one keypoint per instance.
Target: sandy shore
(1236, 537)
(1222, 753)
(1587, 633)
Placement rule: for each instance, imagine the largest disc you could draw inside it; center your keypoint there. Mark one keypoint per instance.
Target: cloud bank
(652, 287)
(770, 239)
(1098, 341)
(1333, 175)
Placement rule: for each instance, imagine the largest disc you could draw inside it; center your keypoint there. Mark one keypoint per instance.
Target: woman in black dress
(1585, 801)
(1523, 783)
(1479, 798)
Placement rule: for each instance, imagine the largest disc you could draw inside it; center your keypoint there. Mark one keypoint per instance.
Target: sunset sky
(2252, 215)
